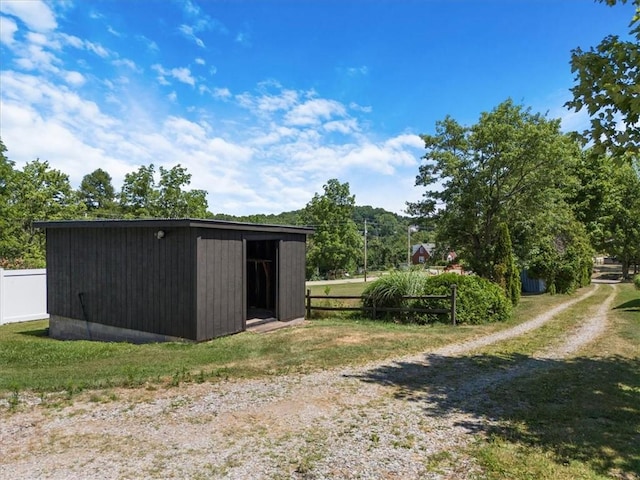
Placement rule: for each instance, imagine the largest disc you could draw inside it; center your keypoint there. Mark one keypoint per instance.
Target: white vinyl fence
(23, 295)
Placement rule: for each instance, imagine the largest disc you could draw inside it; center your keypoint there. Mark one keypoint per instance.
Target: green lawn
(29, 360)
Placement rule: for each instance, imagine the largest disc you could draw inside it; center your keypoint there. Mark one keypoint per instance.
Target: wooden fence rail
(374, 310)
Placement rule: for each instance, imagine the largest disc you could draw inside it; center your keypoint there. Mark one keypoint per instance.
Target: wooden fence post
(308, 304)
(454, 289)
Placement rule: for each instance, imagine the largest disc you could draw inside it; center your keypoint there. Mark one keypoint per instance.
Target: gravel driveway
(399, 419)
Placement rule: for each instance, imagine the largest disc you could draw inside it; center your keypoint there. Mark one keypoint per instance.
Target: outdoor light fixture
(159, 234)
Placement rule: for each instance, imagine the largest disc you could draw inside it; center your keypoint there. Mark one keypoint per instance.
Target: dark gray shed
(156, 280)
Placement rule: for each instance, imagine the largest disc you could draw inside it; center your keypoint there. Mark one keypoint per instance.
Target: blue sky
(264, 101)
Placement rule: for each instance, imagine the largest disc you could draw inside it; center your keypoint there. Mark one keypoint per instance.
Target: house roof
(174, 222)
(429, 247)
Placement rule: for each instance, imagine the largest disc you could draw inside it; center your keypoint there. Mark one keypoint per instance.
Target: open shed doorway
(262, 275)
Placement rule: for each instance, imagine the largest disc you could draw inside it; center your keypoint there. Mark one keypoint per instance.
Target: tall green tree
(506, 272)
(607, 79)
(510, 167)
(176, 202)
(624, 218)
(40, 192)
(592, 197)
(97, 193)
(141, 197)
(562, 256)
(8, 244)
(606, 201)
(336, 244)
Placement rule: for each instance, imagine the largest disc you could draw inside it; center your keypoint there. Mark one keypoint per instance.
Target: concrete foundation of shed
(63, 328)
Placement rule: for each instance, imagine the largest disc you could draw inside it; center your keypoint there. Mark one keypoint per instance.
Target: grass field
(30, 360)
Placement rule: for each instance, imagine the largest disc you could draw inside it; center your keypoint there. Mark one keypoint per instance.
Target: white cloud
(80, 44)
(221, 93)
(359, 108)
(125, 62)
(113, 31)
(188, 32)
(286, 138)
(183, 75)
(35, 57)
(314, 111)
(72, 40)
(7, 29)
(190, 8)
(74, 78)
(244, 39)
(358, 71)
(37, 38)
(268, 103)
(35, 14)
(345, 127)
(150, 44)
(97, 49)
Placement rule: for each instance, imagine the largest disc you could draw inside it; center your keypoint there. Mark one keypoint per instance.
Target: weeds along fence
(374, 310)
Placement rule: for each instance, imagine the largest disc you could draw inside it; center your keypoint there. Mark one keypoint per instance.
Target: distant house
(421, 253)
(157, 280)
(451, 256)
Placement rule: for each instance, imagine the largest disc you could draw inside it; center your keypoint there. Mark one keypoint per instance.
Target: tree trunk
(625, 268)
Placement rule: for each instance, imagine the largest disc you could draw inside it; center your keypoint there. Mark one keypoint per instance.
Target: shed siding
(191, 284)
(127, 278)
(220, 270)
(291, 289)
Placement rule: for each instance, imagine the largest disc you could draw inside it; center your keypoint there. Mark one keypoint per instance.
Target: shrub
(388, 291)
(636, 281)
(478, 300)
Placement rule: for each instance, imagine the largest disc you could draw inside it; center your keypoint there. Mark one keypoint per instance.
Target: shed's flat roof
(175, 222)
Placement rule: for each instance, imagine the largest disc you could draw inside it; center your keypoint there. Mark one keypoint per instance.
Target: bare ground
(392, 420)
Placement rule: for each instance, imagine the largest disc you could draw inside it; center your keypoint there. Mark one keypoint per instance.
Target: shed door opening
(262, 270)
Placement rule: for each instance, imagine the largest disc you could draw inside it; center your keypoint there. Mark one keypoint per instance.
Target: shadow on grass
(580, 409)
(38, 332)
(630, 306)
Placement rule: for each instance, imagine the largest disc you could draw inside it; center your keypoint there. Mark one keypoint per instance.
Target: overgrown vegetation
(478, 300)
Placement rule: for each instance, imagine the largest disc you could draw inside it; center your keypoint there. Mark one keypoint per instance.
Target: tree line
(40, 192)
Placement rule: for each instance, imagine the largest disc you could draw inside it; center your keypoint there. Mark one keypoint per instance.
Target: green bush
(636, 281)
(478, 300)
(388, 291)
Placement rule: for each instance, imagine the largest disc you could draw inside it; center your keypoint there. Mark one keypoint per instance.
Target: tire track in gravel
(594, 326)
(516, 331)
(414, 365)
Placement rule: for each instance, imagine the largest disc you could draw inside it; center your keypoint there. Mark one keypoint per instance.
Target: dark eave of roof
(175, 223)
